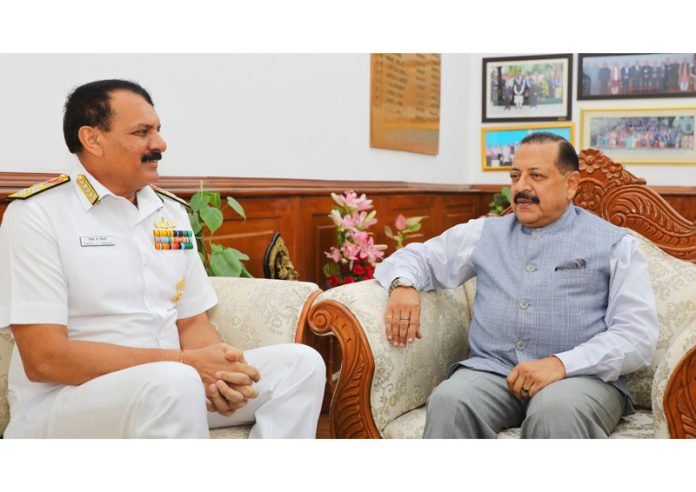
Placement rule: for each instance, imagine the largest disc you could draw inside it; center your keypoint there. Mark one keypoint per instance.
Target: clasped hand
(226, 376)
(529, 377)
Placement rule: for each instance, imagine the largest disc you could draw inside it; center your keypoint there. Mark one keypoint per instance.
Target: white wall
(655, 175)
(268, 115)
(287, 115)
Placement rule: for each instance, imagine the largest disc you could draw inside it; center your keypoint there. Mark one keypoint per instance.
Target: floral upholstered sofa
(250, 313)
(381, 391)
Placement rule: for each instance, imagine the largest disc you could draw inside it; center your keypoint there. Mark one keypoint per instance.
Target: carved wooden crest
(616, 195)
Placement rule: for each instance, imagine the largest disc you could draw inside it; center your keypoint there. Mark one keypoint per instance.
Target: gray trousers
(478, 404)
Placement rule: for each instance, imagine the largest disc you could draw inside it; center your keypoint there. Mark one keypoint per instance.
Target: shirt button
(531, 267)
(520, 345)
(524, 304)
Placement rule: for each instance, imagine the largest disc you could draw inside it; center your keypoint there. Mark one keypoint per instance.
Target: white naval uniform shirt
(95, 269)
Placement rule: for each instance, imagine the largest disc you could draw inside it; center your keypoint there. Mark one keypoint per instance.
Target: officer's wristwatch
(399, 282)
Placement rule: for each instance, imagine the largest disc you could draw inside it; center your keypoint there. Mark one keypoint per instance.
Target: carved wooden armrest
(350, 413)
(680, 395)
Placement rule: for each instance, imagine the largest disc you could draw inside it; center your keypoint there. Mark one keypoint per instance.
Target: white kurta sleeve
(33, 287)
(632, 328)
(443, 262)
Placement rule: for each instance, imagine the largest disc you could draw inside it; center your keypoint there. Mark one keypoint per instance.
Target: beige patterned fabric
(6, 344)
(411, 425)
(404, 378)
(674, 286)
(682, 343)
(255, 312)
(238, 432)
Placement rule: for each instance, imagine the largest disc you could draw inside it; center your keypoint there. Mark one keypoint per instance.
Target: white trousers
(167, 400)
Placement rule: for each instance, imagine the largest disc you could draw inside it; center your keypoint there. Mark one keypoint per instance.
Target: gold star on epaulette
(39, 187)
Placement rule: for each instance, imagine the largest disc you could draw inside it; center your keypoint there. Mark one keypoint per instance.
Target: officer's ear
(92, 140)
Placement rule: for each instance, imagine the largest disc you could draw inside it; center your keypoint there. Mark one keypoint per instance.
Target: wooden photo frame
(527, 88)
(646, 135)
(498, 144)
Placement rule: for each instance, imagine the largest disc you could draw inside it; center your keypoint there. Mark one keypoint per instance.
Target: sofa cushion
(411, 425)
(674, 285)
(238, 432)
(6, 344)
(255, 313)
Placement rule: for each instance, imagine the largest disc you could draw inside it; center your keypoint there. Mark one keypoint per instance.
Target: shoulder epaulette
(171, 195)
(39, 187)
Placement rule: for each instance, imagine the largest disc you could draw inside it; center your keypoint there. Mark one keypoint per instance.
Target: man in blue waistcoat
(563, 309)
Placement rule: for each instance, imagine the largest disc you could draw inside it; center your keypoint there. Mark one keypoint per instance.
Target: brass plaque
(405, 102)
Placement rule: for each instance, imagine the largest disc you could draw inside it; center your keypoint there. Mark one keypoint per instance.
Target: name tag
(89, 241)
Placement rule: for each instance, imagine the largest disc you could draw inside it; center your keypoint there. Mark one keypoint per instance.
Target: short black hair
(567, 159)
(89, 105)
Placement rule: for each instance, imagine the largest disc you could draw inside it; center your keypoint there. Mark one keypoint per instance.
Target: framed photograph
(527, 88)
(636, 75)
(498, 144)
(641, 135)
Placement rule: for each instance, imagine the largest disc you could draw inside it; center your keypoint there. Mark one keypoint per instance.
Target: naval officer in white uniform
(107, 298)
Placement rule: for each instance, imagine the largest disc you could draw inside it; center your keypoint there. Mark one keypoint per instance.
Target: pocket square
(574, 264)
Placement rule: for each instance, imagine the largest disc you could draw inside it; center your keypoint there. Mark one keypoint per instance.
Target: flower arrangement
(500, 201)
(405, 229)
(356, 255)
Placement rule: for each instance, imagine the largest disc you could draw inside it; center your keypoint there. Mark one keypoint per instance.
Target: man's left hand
(529, 377)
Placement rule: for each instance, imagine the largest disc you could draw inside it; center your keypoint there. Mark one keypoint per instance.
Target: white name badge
(88, 241)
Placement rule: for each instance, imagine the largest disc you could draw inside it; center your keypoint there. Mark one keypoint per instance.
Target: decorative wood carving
(616, 195)
(350, 413)
(680, 398)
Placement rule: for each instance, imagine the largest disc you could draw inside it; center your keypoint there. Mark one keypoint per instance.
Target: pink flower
(334, 253)
(336, 217)
(400, 222)
(364, 220)
(350, 251)
(350, 200)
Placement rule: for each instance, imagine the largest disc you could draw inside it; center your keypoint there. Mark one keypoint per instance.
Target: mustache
(151, 156)
(522, 195)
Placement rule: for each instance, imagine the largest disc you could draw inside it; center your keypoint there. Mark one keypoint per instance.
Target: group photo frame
(641, 135)
(499, 143)
(636, 75)
(527, 88)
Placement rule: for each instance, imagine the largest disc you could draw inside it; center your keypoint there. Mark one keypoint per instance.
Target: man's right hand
(403, 316)
(226, 376)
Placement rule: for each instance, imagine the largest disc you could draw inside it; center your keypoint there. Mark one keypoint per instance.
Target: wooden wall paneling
(320, 232)
(458, 209)
(264, 219)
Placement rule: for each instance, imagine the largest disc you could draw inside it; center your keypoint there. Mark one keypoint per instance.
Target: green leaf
(202, 257)
(506, 192)
(245, 273)
(215, 200)
(236, 207)
(414, 228)
(414, 220)
(220, 266)
(331, 269)
(232, 255)
(199, 200)
(195, 224)
(212, 217)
